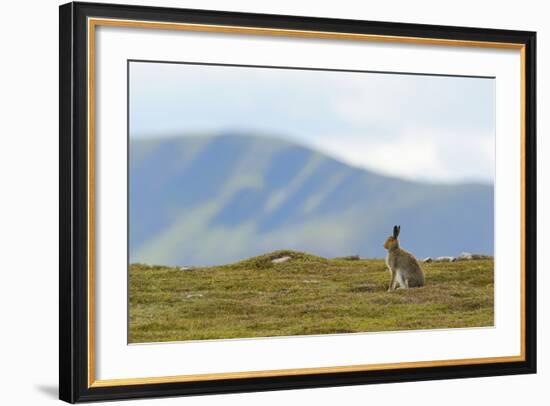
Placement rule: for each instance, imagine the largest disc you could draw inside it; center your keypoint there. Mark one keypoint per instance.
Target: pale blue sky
(418, 127)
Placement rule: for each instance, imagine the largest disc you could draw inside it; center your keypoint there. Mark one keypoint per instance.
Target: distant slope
(199, 200)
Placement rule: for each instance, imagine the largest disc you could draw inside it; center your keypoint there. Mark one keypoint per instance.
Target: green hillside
(305, 295)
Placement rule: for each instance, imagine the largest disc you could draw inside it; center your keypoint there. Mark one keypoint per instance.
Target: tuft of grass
(305, 295)
(349, 258)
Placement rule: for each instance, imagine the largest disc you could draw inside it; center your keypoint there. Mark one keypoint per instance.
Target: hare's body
(403, 266)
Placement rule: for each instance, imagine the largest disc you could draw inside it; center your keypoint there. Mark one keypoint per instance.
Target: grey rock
(186, 268)
(445, 259)
(281, 260)
(464, 256)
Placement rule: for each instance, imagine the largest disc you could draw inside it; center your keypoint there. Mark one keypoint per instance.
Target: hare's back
(407, 262)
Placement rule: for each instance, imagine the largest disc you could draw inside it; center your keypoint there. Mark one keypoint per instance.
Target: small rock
(427, 259)
(445, 259)
(186, 268)
(464, 256)
(280, 260)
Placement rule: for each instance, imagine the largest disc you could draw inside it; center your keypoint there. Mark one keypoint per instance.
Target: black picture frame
(74, 199)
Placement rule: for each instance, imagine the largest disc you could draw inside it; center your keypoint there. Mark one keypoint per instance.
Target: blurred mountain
(203, 200)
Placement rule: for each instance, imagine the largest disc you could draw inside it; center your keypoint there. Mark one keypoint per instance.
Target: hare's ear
(396, 231)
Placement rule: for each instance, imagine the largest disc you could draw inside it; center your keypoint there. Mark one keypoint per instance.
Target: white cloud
(418, 127)
(418, 154)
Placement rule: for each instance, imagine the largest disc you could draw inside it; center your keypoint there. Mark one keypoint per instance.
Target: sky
(418, 127)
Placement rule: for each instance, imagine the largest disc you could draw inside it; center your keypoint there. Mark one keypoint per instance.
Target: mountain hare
(403, 266)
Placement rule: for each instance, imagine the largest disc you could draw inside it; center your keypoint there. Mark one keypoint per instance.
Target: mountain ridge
(203, 200)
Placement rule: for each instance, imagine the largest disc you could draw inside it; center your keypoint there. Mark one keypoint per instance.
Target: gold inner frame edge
(93, 22)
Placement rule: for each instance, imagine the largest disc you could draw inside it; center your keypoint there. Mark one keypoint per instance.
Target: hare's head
(392, 242)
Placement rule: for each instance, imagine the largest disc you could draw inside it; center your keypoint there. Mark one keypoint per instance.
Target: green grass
(306, 295)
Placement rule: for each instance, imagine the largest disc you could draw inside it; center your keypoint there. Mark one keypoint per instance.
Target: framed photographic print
(256, 202)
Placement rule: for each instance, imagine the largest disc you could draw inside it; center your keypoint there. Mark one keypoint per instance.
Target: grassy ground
(306, 295)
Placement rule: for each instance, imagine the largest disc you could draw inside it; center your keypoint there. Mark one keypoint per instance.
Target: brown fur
(403, 266)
